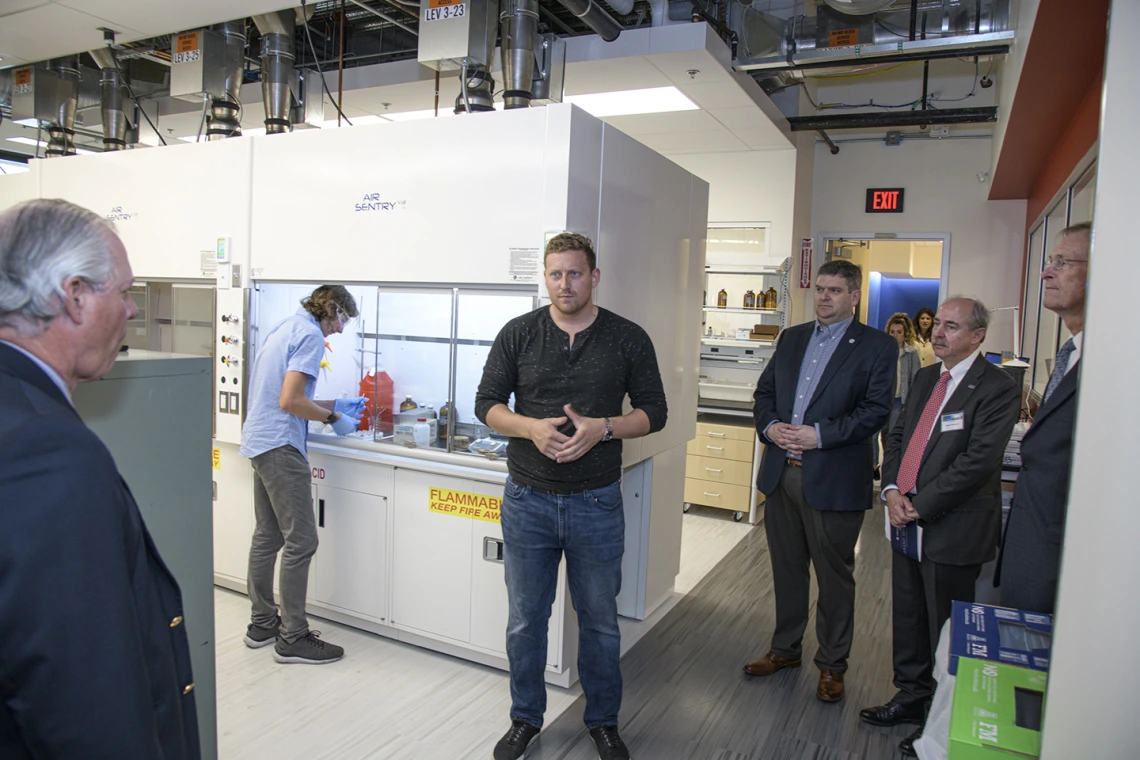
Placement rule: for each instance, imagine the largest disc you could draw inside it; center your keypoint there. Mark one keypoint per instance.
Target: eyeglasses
(1060, 262)
(343, 318)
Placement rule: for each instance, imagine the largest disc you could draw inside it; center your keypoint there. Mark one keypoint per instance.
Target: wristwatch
(609, 436)
(331, 418)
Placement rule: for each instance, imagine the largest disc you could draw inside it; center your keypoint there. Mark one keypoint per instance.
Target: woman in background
(923, 329)
(900, 328)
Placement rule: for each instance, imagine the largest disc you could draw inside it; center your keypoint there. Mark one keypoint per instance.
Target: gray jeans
(283, 509)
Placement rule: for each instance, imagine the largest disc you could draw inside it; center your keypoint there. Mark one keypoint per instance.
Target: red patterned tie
(912, 459)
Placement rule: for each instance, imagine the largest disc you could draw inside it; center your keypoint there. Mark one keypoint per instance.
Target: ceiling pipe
(114, 117)
(595, 17)
(277, 61)
(225, 112)
(519, 21)
(61, 131)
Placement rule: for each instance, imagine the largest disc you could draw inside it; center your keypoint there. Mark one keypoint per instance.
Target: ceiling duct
(225, 111)
(61, 130)
(595, 17)
(277, 58)
(519, 29)
(858, 7)
(114, 117)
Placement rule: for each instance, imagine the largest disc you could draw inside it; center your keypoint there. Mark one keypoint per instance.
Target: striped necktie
(1059, 368)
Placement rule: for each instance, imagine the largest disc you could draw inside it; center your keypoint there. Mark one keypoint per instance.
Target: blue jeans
(589, 527)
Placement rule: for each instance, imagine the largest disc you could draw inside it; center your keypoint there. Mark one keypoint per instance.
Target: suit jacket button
(177, 621)
(189, 688)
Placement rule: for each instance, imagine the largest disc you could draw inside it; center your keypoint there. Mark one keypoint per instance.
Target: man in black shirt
(570, 367)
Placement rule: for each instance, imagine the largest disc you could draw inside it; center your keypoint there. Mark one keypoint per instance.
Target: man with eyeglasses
(1030, 559)
(279, 408)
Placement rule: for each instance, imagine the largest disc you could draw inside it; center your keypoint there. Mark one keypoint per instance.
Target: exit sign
(884, 200)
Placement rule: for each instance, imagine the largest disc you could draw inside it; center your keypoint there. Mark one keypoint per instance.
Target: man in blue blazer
(1029, 566)
(827, 390)
(94, 659)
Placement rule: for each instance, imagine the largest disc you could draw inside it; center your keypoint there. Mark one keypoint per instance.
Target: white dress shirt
(956, 374)
(1074, 357)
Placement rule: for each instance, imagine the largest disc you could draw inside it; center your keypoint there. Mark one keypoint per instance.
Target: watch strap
(609, 436)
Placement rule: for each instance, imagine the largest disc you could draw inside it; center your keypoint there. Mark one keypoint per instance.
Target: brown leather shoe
(830, 687)
(769, 664)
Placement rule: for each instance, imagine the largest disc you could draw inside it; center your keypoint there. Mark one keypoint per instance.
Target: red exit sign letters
(884, 200)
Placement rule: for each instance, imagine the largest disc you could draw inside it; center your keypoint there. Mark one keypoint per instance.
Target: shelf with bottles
(737, 310)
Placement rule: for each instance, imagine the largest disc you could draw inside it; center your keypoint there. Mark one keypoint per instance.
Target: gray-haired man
(94, 660)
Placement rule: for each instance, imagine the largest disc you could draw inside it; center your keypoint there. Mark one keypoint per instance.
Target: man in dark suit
(826, 391)
(1030, 562)
(942, 465)
(94, 660)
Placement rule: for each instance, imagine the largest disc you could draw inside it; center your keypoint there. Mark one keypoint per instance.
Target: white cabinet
(233, 516)
(352, 559)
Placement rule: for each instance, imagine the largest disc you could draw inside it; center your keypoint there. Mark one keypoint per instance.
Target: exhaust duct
(519, 21)
(114, 117)
(61, 131)
(225, 112)
(595, 17)
(277, 31)
(476, 91)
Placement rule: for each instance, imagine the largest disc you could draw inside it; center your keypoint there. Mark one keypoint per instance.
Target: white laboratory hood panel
(170, 206)
(443, 200)
(17, 188)
(650, 252)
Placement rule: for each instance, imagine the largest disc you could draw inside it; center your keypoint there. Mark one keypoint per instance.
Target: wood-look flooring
(687, 699)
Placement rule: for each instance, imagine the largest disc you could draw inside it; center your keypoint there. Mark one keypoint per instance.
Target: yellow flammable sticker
(473, 506)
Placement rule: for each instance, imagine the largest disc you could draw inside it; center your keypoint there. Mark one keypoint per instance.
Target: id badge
(954, 421)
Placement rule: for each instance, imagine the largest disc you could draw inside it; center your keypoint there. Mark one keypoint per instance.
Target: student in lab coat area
(570, 367)
(94, 658)
(280, 407)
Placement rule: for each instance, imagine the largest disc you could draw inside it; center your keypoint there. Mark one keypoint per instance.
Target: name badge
(955, 421)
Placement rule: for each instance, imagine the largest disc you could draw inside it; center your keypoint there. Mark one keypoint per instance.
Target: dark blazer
(958, 495)
(851, 403)
(93, 653)
(1030, 562)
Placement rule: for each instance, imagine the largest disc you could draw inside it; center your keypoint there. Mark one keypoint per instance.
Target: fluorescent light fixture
(244, 133)
(83, 152)
(632, 102)
(357, 121)
(27, 141)
(27, 122)
(444, 113)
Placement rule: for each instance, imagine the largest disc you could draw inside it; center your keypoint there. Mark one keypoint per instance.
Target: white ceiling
(734, 114)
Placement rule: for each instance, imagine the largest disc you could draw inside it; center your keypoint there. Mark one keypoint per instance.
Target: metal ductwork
(519, 20)
(114, 117)
(225, 112)
(595, 17)
(61, 131)
(277, 30)
(477, 92)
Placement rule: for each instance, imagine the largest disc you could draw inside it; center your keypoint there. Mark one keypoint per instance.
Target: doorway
(899, 274)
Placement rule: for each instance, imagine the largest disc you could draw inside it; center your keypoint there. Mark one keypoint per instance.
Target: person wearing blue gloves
(279, 407)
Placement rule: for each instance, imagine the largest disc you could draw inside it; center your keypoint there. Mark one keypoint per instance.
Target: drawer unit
(719, 470)
(731, 432)
(721, 448)
(724, 495)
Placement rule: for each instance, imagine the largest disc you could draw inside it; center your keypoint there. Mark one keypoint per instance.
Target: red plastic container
(378, 390)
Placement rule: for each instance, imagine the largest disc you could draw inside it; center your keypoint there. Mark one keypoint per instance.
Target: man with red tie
(943, 466)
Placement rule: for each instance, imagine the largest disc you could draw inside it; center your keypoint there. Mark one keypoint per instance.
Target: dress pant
(799, 536)
(923, 593)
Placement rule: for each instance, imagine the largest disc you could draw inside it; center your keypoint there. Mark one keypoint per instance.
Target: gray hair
(851, 273)
(979, 317)
(44, 243)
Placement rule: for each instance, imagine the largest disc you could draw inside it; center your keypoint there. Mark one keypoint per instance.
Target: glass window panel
(1084, 197)
(350, 353)
(138, 329)
(1032, 293)
(481, 316)
(1048, 329)
(193, 320)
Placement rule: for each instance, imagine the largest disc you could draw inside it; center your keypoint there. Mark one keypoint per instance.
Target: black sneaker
(257, 637)
(310, 650)
(609, 744)
(513, 744)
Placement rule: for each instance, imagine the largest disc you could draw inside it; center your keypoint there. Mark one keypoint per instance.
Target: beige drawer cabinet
(719, 467)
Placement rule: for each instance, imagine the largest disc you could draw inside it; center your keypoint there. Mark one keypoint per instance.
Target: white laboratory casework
(437, 229)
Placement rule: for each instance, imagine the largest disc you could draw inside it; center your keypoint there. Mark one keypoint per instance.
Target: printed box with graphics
(1000, 634)
(997, 711)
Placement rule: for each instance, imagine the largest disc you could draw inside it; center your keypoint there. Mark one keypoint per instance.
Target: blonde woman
(923, 331)
(900, 328)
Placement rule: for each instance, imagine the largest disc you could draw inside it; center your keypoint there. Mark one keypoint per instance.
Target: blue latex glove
(350, 405)
(345, 424)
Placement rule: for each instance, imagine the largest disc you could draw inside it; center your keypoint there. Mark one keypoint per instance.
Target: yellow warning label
(473, 506)
(184, 43)
(442, 3)
(217, 459)
(843, 37)
(23, 76)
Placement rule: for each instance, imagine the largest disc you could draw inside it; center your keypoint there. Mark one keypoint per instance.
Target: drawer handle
(716, 495)
(712, 469)
(715, 435)
(715, 448)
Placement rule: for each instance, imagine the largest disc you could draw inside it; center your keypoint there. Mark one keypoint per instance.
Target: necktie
(912, 459)
(1059, 368)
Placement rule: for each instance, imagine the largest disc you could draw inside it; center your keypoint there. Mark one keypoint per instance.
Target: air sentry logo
(373, 202)
(118, 215)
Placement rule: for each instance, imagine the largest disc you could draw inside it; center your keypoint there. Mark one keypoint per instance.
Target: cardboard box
(771, 331)
(1000, 634)
(997, 713)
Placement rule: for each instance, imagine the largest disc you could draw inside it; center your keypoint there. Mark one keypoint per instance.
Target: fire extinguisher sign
(805, 262)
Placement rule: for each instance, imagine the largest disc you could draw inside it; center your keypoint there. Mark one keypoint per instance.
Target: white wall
(943, 196)
(1087, 714)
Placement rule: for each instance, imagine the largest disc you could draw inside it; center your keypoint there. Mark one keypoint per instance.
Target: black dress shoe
(906, 746)
(513, 744)
(892, 714)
